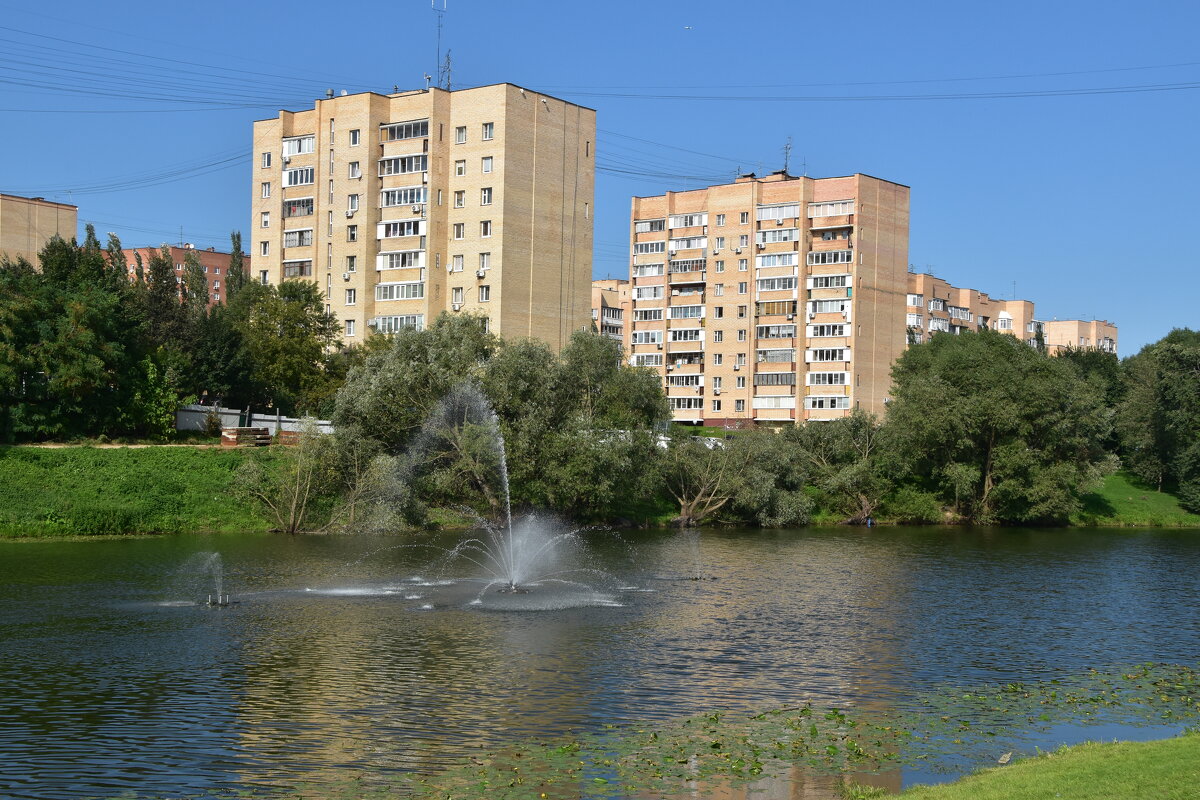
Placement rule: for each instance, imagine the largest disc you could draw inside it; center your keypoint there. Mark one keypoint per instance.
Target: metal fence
(195, 418)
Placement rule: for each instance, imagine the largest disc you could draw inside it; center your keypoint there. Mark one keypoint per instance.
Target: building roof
(38, 200)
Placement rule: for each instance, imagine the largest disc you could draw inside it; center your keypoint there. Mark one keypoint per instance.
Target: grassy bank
(1162, 770)
(86, 491)
(1124, 502)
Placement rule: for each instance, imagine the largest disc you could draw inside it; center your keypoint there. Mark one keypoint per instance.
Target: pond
(344, 655)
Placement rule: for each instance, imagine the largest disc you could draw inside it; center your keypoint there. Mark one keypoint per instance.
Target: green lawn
(88, 491)
(1162, 770)
(1123, 501)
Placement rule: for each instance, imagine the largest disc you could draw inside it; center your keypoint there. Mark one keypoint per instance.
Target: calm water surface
(104, 690)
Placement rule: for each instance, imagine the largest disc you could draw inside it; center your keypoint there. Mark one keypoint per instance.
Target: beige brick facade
(611, 305)
(1063, 333)
(934, 306)
(771, 300)
(27, 223)
(403, 206)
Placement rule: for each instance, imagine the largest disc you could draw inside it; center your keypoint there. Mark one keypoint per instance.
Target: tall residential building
(27, 223)
(1063, 333)
(611, 303)
(214, 262)
(934, 306)
(773, 299)
(406, 205)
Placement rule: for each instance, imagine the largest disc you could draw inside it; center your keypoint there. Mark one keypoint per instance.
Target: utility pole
(787, 154)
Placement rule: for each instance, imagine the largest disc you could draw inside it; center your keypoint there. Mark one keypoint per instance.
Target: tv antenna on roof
(787, 154)
(443, 76)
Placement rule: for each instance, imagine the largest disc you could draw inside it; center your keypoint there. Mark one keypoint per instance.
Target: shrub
(912, 506)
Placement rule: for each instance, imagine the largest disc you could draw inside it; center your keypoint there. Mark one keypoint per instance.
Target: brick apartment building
(214, 262)
(27, 223)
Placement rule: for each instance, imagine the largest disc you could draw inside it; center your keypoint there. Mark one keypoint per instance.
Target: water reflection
(102, 690)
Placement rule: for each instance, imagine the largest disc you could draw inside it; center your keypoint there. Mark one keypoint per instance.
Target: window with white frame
(742, 264)
(684, 381)
(831, 257)
(405, 196)
(686, 335)
(456, 264)
(689, 243)
(780, 355)
(937, 304)
(916, 299)
(836, 208)
(719, 290)
(352, 202)
(300, 238)
(403, 165)
(460, 167)
(718, 336)
(351, 263)
(741, 335)
(719, 242)
(351, 233)
(687, 312)
(687, 403)
(828, 306)
(266, 189)
(775, 379)
(822, 402)
(297, 269)
(395, 324)
(786, 211)
(830, 281)
(299, 145)
(743, 286)
(402, 259)
(744, 218)
(914, 320)
(686, 265)
(776, 284)
(645, 248)
(819, 354)
(459, 230)
(648, 293)
(958, 312)
(266, 160)
(828, 379)
(351, 297)
(775, 331)
(688, 220)
(354, 170)
(300, 176)
(409, 290)
(485, 228)
(264, 248)
(646, 337)
(720, 220)
(409, 227)
(299, 207)
(456, 295)
(460, 134)
(739, 405)
(415, 129)
(939, 324)
(485, 196)
(264, 277)
(647, 315)
(485, 165)
(264, 219)
(773, 235)
(775, 260)
(720, 266)
(355, 137)
(647, 270)
(647, 360)
(489, 131)
(350, 327)
(649, 225)
(460, 199)
(485, 293)
(823, 331)
(773, 401)
(485, 260)
(1002, 324)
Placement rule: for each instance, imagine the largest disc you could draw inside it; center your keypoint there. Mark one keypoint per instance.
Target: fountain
(202, 573)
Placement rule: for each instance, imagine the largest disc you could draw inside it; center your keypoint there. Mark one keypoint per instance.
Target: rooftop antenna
(787, 154)
(446, 70)
(440, 13)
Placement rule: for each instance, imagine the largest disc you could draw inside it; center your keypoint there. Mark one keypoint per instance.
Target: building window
(742, 312)
(647, 248)
(743, 264)
(405, 259)
(460, 230)
(720, 266)
(403, 165)
(352, 202)
(916, 299)
(408, 196)
(742, 287)
(351, 296)
(266, 160)
(831, 257)
(688, 220)
(485, 196)
(776, 284)
(301, 176)
(739, 405)
(718, 337)
(720, 220)
(489, 131)
(392, 230)
(719, 290)
(744, 240)
(400, 291)
(718, 312)
(456, 264)
(1003, 324)
(355, 138)
(351, 233)
(830, 281)
(297, 269)
(302, 238)
(835, 209)
(485, 260)
(262, 277)
(299, 145)
(486, 164)
(415, 129)
(264, 248)
(264, 219)
(647, 315)
(788, 211)
(650, 226)
(460, 168)
(741, 334)
(460, 199)
(485, 228)
(744, 218)
(460, 134)
(485, 294)
(355, 170)
(648, 293)
(266, 189)
(351, 263)
(349, 327)
(456, 295)
(718, 359)
(300, 207)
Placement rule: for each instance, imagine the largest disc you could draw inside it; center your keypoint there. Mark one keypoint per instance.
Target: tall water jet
(201, 575)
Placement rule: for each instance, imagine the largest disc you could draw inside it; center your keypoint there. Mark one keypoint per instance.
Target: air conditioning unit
(349, 213)
(762, 245)
(659, 345)
(716, 391)
(716, 252)
(670, 367)
(670, 252)
(778, 222)
(456, 306)
(791, 316)
(416, 209)
(480, 273)
(736, 367)
(286, 160)
(345, 276)
(737, 251)
(812, 315)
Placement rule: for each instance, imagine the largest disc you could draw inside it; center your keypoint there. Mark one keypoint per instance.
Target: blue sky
(1075, 188)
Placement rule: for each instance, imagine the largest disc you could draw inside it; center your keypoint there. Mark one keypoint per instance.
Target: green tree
(997, 429)
(164, 311)
(845, 461)
(235, 277)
